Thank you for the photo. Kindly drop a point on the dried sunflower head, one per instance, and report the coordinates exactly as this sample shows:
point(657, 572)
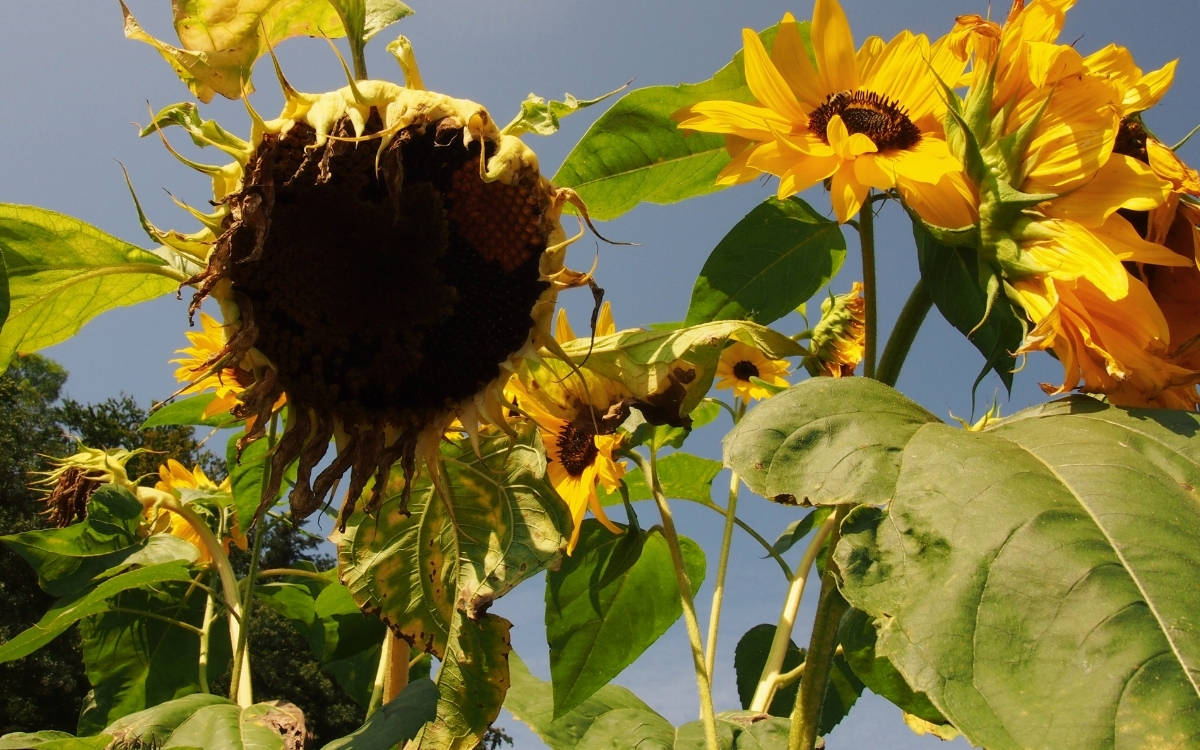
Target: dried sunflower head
point(384, 256)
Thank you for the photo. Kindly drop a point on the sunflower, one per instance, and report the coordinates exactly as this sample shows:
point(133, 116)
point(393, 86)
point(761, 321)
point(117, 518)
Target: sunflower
point(385, 257)
point(740, 368)
point(839, 338)
point(866, 120)
point(199, 371)
point(173, 477)
point(577, 413)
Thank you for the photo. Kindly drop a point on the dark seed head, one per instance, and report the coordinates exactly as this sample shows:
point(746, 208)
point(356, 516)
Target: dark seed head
point(882, 120)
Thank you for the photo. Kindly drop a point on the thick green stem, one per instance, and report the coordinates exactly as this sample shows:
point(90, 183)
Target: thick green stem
point(703, 680)
point(381, 672)
point(866, 235)
point(912, 315)
point(210, 615)
point(771, 677)
point(818, 660)
point(714, 616)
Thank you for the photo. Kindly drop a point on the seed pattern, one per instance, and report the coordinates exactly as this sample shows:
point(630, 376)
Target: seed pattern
point(881, 119)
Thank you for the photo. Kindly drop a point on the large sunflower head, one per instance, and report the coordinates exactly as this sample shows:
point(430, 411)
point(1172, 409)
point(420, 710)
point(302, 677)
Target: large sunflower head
point(383, 256)
point(871, 119)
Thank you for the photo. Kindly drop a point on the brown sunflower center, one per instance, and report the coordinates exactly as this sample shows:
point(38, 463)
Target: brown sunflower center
point(744, 370)
point(879, 118)
point(576, 447)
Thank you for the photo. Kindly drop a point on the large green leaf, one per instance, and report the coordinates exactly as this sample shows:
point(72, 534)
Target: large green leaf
point(414, 566)
point(771, 262)
point(221, 39)
point(857, 637)
point(1039, 580)
point(635, 152)
point(49, 739)
point(395, 722)
point(608, 603)
point(670, 371)
point(681, 475)
point(825, 441)
point(62, 273)
point(151, 727)
point(471, 683)
point(135, 660)
point(953, 276)
point(66, 612)
point(263, 726)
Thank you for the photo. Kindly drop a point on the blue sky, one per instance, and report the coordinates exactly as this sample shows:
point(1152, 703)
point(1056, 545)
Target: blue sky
point(72, 86)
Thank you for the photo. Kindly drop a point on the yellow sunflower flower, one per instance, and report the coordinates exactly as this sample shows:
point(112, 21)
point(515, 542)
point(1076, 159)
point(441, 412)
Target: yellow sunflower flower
point(199, 370)
point(840, 337)
point(740, 364)
point(871, 119)
point(172, 477)
point(577, 414)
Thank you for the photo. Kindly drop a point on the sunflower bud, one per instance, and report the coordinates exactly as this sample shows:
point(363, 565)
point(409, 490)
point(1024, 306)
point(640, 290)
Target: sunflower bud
point(839, 339)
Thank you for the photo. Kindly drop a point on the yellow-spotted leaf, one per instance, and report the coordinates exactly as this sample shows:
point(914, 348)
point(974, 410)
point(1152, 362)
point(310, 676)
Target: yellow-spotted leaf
point(498, 524)
point(62, 272)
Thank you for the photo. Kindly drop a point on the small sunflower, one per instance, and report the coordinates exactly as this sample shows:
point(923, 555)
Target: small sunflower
point(741, 365)
point(173, 477)
point(385, 257)
point(866, 120)
point(72, 480)
point(196, 369)
point(839, 338)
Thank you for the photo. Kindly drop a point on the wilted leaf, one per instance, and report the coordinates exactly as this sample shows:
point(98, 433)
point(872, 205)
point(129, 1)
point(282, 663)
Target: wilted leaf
point(608, 603)
point(772, 261)
point(1062, 547)
point(541, 117)
point(62, 272)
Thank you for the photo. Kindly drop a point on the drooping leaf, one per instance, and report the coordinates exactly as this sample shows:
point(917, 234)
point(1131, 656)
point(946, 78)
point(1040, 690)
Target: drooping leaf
point(69, 610)
point(612, 717)
point(202, 132)
point(151, 727)
point(62, 272)
point(396, 721)
point(857, 638)
point(670, 371)
point(635, 152)
point(471, 683)
point(1038, 580)
point(415, 566)
point(540, 116)
point(799, 529)
point(608, 603)
point(772, 261)
point(825, 441)
point(952, 276)
point(659, 436)
point(221, 39)
point(134, 660)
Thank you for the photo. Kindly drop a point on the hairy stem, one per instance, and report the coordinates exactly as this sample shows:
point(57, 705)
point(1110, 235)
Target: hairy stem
point(381, 672)
point(714, 616)
point(771, 677)
point(866, 235)
point(912, 315)
point(703, 679)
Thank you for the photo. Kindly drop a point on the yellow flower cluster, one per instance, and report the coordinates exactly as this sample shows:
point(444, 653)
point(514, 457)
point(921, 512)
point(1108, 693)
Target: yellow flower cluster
point(1026, 148)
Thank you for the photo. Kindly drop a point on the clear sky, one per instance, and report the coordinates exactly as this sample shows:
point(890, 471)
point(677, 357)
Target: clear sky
point(72, 85)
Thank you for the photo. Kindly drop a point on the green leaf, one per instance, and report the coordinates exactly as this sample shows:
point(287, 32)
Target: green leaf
point(797, 530)
point(771, 262)
point(683, 476)
point(857, 638)
point(635, 152)
point(68, 611)
point(62, 273)
point(659, 436)
point(202, 132)
point(471, 683)
point(152, 726)
point(396, 721)
point(247, 474)
point(49, 739)
point(750, 655)
point(262, 726)
point(952, 276)
point(608, 603)
point(541, 117)
point(825, 441)
point(612, 717)
point(69, 559)
point(188, 411)
point(1039, 579)
point(670, 371)
point(414, 566)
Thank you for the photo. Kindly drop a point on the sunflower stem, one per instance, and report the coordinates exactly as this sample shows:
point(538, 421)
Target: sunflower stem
point(703, 680)
point(210, 615)
point(381, 672)
point(912, 315)
point(866, 236)
point(772, 677)
point(714, 616)
point(397, 669)
point(822, 645)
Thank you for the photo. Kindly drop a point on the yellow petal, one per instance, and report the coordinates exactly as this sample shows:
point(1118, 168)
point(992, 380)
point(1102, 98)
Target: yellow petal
point(1122, 182)
point(845, 144)
point(847, 193)
point(746, 120)
point(765, 82)
point(833, 45)
point(791, 58)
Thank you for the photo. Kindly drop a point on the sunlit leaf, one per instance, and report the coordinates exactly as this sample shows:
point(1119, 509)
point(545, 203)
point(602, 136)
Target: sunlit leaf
point(670, 371)
point(263, 726)
point(1038, 580)
point(188, 411)
point(395, 722)
point(608, 603)
point(153, 725)
point(67, 611)
point(773, 260)
point(635, 152)
point(415, 566)
point(62, 272)
point(825, 441)
point(682, 475)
